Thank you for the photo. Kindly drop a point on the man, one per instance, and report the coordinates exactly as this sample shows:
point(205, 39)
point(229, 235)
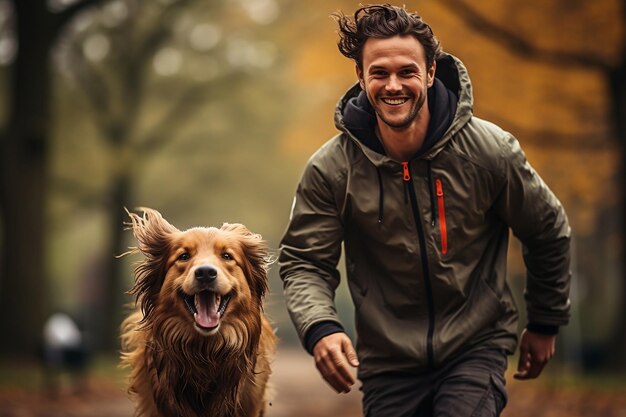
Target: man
point(422, 194)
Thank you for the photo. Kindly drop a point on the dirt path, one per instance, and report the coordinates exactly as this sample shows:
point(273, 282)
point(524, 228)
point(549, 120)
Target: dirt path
point(300, 392)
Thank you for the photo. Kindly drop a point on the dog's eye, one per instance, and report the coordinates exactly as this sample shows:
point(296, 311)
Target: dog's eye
point(184, 257)
point(227, 256)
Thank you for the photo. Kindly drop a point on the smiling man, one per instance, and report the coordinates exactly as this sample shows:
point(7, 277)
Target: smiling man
point(395, 77)
point(422, 194)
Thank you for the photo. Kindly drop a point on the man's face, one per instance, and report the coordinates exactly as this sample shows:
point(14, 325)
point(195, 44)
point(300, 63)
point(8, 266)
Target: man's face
point(395, 78)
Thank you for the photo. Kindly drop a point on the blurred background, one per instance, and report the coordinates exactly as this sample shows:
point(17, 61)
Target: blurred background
point(208, 110)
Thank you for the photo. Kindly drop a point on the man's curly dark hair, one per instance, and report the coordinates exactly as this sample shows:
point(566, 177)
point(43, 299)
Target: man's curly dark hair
point(383, 21)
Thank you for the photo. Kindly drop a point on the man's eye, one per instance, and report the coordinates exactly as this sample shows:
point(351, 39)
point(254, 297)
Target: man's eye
point(227, 256)
point(184, 256)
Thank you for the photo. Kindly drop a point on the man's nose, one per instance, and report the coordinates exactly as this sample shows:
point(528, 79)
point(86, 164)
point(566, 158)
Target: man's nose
point(393, 84)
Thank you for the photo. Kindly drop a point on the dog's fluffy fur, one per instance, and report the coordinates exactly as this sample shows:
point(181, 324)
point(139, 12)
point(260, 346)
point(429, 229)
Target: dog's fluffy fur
point(199, 343)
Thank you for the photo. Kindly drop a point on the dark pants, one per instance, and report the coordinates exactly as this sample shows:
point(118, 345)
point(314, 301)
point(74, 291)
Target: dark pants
point(471, 385)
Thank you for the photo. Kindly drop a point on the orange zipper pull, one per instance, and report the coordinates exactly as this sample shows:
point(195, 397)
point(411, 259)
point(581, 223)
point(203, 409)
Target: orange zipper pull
point(439, 188)
point(442, 217)
point(406, 172)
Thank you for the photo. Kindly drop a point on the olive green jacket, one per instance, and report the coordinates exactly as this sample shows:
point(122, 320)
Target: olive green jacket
point(425, 241)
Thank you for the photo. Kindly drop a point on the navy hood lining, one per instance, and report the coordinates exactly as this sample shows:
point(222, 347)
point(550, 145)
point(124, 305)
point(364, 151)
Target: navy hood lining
point(360, 118)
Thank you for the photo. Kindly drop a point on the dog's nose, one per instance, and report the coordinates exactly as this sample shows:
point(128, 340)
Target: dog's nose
point(206, 273)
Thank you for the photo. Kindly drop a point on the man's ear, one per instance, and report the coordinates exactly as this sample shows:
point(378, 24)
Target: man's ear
point(359, 74)
point(431, 74)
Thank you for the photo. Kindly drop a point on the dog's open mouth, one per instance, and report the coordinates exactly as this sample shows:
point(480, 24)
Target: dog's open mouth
point(207, 308)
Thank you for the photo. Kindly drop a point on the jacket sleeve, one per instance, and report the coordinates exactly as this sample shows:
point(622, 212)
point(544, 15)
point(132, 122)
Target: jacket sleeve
point(538, 220)
point(310, 251)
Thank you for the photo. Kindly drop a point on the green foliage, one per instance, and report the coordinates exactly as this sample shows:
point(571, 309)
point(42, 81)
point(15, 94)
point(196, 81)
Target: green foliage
point(188, 127)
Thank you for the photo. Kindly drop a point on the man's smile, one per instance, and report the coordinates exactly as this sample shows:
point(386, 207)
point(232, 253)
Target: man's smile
point(395, 101)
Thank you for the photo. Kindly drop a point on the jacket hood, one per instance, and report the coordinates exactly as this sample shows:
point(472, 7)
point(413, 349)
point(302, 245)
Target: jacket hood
point(449, 99)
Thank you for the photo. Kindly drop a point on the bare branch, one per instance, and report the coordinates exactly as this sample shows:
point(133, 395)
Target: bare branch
point(186, 107)
point(161, 33)
point(521, 46)
point(64, 17)
point(94, 87)
point(135, 69)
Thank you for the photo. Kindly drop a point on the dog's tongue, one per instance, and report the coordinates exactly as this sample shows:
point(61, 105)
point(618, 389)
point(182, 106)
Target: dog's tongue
point(207, 305)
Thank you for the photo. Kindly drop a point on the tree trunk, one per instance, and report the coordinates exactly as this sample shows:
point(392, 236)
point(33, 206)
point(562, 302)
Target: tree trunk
point(115, 296)
point(23, 283)
point(617, 85)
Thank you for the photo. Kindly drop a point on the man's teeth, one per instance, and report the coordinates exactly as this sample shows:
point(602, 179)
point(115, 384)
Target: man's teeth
point(394, 101)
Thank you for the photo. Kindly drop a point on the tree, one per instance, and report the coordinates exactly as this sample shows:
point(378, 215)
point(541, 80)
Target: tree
point(23, 179)
point(139, 100)
point(117, 97)
point(612, 66)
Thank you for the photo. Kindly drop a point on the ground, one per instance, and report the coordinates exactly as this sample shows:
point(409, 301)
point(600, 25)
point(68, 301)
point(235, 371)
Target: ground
point(300, 392)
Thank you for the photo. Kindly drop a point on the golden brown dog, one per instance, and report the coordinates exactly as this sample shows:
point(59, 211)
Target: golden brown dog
point(200, 344)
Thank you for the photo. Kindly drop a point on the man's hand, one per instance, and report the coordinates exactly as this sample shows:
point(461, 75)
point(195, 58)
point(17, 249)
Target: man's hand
point(333, 354)
point(534, 353)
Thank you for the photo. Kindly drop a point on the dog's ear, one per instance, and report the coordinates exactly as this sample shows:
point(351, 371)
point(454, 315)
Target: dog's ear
point(151, 230)
point(153, 233)
point(258, 259)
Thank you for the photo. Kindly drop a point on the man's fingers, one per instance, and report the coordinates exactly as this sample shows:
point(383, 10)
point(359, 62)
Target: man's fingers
point(334, 371)
point(350, 353)
point(531, 364)
point(341, 367)
point(536, 350)
point(524, 359)
point(535, 369)
point(523, 363)
point(531, 367)
point(335, 382)
point(338, 382)
point(334, 355)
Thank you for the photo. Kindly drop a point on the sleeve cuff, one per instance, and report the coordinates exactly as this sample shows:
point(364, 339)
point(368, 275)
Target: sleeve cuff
point(546, 329)
point(318, 331)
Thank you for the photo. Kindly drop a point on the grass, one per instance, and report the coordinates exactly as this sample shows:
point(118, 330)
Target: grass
point(20, 374)
point(28, 375)
point(597, 381)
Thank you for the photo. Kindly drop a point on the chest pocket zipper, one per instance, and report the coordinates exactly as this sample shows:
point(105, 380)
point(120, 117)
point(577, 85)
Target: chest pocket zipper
point(442, 216)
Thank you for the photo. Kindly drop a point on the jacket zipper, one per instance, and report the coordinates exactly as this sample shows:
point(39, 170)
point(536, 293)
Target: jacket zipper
point(425, 270)
point(431, 193)
point(442, 217)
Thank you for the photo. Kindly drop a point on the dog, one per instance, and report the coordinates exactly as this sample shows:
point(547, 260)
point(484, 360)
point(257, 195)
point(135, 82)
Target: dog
point(199, 343)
